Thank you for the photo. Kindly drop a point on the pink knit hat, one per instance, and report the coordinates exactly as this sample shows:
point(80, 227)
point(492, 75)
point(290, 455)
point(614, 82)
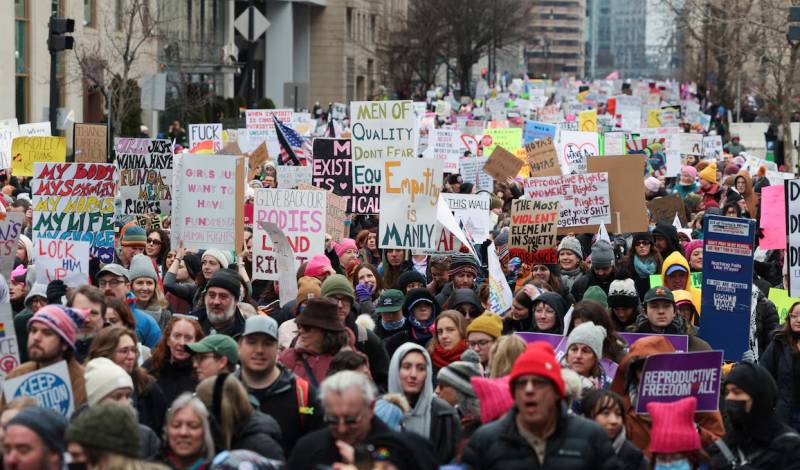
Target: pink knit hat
point(65, 321)
point(318, 265)
point(346, 244)
point(493, 395)
point(691, 246)
point(652, 184)
point(673, 428)
point(690, 170)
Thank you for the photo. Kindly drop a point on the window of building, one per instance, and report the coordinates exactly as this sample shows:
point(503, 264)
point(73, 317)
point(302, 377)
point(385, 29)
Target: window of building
point(88, 13)
point(351, 78)
point(21, 71)
point(373, 28)
point(350, 24)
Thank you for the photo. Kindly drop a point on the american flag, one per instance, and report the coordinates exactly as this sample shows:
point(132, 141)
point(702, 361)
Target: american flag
point(294, 147)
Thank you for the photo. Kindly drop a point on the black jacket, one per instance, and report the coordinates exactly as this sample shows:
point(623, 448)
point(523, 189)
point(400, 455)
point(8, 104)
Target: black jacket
point(577, 443)
point(174, 378)
point(280, 400)
point(368, 343)
point(445, 429)
point(631, 458)
point(587, 281)
point(233, 330)
point(260, 434)
point(767, 322)
point(151, 405)
point(784, 366)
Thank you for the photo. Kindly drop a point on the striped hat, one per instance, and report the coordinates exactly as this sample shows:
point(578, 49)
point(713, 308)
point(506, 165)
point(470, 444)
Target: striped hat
point(133, 235)
point(463, 262)
point(65, 321)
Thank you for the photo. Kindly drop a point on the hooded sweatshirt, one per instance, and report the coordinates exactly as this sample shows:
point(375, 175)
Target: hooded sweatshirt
point(670, 233)
point(678, 259)
point(556, 302)
point(625, 383)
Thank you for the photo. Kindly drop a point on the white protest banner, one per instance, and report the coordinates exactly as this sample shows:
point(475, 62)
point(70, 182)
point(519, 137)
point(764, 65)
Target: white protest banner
point(409, 194)
point(500, 295)
point(9, 349)
point(471, 170)
point(792, 194)
point(712, 146)
point(473, 212)
point(35, 129)
point(203, 134)
point(445, 145)
point(50, 386)
point(207, 209)
point(381, 131)
point(614, 143)
point(10, 229)
point(574, 147)
point(300, 214)
point(445, 217)
point(691, 144)
point(145, 181)
point(290, 176)
point(284, 262)
point(66, 260)
point(8, 130)
point(261, 127)
point(584, 198)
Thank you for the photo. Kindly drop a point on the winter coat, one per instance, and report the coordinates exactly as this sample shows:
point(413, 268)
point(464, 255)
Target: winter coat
point(684, 190)
point(300, 360)
point(631, 458)
point(576, 443)
point(151, 405)
point(233, 330)
point(368, 343)
point(670, 233)
point(678, 259)
point(174, 378)
point(679, 326)
point(587, 281)
point(638, 426)
point(784, 366)
point(76, 378)
point(260, 434)
point(767, 321)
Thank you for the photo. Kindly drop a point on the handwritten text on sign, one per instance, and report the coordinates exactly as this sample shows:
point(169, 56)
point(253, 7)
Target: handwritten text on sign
point(10, 228)
point(409, 195)
point(333, 172)
point(533, 231)
point(381, 131)
point(145, 175)
point(67, 260)
point(584, 198)
point(27, 150)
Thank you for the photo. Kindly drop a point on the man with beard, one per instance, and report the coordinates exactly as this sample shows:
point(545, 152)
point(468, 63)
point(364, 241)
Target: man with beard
point(114, 281)
point(91, 299)
point(52, 332)
point(221, 314)
point(34, 439)
point(602, 273)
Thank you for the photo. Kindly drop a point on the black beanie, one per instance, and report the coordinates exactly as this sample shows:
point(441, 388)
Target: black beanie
point(49, 425)
point(226, 279)
point(757, 382)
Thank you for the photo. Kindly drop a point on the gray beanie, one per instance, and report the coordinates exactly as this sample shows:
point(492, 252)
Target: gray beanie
point(602, 254)
point(38, 290)
point(142, 266)
point(458, 374)
point(589, 334)
point(572, 244)
point(48, 424)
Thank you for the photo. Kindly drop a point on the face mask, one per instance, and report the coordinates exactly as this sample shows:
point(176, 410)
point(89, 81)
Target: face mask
point(393, 325)
point(736, 411)
point(682, 464)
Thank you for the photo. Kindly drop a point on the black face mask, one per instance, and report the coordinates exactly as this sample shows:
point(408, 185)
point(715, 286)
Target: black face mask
point(736, 412)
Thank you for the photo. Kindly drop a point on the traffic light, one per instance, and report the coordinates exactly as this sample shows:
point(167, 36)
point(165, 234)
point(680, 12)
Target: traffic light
point(58, 39)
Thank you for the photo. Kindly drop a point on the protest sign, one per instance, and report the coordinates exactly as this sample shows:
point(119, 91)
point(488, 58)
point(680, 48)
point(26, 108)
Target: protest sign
point(10, 229)
point(712, 146)
point(542, 157)
point(679, 342)
point(773, 218)
point(284, 261)
point(670, 377)
point(8, 131)
point(9, 348)
point(204, 133)
point(207, 210)
point(331, 171)
point(500, 295)
point(148, 221)
point(145, 175)
point(537, 130)
point(502, 164)
point(584, 198)
point(50, 386)
point(300, 214)
point(509, 138)
point(664, 209)
point(614, 143)
point(727, 283)
point(451, 232)
point(409, 195)
point(691, 144)
point(65, 260)
point(381, 131)
point(90, 143)
point(695, 278)
point(471, 170)
point(782, 301)
point(290, 176)
point(534, 224)
point(336, 218)
point(587, 120)
point(445, 145)
point(261, 127)
point(75, 201)
point(35, 129)
point(551, 339)
point(792, 197)
point(472, 212)
point(27, 150)
point(574, 148)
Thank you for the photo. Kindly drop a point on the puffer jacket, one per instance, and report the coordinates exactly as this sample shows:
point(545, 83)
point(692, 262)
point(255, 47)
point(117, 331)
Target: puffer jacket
point(577, 443)
point(260, 434)
point(677, 259)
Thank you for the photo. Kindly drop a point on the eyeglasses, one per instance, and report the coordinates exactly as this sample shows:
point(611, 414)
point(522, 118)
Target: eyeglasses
point(153, 241)
point(332, 420)
point(126, 351)
point(479, 344)
point(110, 283)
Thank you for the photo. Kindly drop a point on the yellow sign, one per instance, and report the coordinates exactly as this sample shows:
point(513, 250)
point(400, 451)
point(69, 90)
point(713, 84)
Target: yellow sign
point(26, 150)
point(653, 118)
point(587, 120)
point(509, 138)
point(782, 301)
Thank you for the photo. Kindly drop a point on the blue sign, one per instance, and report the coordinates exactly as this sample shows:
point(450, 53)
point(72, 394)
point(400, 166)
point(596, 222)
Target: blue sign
point(537, 130)
point(49, 390)
point(727, 283)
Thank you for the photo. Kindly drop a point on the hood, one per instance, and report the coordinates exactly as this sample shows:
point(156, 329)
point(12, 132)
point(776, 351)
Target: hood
point(464, 296)
point(762, 424)
point(749, 194)
point(638, 351)
point(418, 419)
point(557, 303)
point(683, 296)
point(676, 259)
point(420, 293)
point(668, 231)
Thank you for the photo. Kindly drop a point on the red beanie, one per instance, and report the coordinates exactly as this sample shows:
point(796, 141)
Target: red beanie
point(539, 359)
point(673, 428)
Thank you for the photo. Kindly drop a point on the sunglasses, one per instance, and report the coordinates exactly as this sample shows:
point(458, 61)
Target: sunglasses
point(153, 241)
point(332, 420)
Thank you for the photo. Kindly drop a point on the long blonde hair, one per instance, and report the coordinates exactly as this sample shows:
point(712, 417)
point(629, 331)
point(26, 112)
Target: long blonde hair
point(504, 353)
point(234, 404)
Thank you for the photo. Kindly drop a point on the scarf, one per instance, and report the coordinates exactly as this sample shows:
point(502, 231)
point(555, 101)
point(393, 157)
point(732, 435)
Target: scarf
point(619, 441)
point(421, 332)
point(644, 268)
point(393, 325)
point(442, 358)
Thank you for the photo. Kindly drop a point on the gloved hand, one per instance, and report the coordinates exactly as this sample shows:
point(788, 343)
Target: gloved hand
point(55, 291)
point(363, 292)
point(749, 356)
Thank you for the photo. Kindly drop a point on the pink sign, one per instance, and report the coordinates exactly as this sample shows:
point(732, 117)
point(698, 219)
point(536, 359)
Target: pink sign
point(773, 218)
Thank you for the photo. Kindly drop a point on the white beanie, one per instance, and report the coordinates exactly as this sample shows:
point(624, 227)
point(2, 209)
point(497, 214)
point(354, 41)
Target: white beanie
point(102, 377)
point(589, 334)
point(218, 255)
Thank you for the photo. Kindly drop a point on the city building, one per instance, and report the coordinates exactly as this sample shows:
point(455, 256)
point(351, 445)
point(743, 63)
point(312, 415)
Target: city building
point(556, 47)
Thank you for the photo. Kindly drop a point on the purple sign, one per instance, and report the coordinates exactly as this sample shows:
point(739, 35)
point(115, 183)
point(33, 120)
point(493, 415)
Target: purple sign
point(551, 339)
point(679, 342)
point(610, 367)
point(670, 377)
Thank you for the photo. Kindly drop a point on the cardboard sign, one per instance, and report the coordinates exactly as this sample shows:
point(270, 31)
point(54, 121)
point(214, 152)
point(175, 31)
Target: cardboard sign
point(300, 214)
point(10, 229)
point(584, 198)
point(670, 377)
point(201, 133)
point(9, 349)
point(207, 210)
point(472, 171)
point(66, 260)
point(727, 283)
point(500, 295)
point(472, 211)
point(284, 261)
point(792, 197)
point(9, 130)
point(27, 150)
point(145, 168)
point(257, 157)
point(574, 148)
point(542, 157)
point(509, 138)
point(663, 209)
point(336, 219)
point(502, 164)
point(381, 131)
point(534, 224)
point(50, 386)
point(445, 145)
point(332, 171)
point(534, 131)
point(409, 195)
point(91, 143)
point(75, 201)
point(679, 342)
